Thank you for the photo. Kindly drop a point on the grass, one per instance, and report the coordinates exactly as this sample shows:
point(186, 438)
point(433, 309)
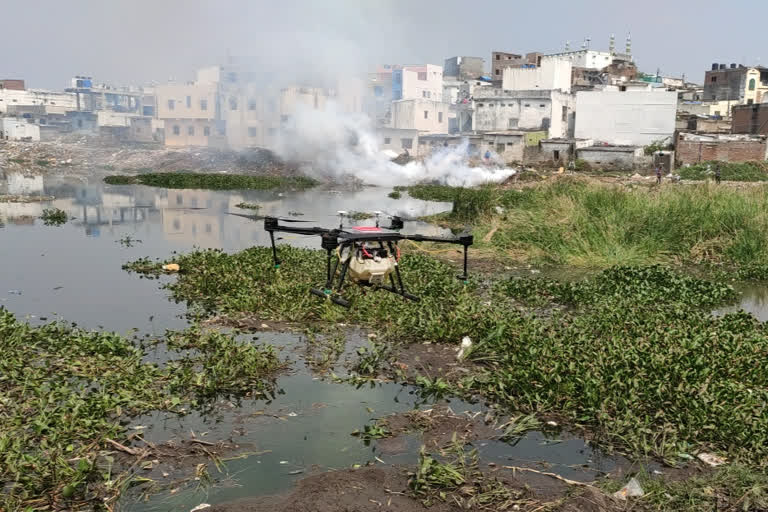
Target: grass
point(212, 181)
point(583, 223)
point(54, 217)
point(729, 171)
point(248, 206)
point(64, 391)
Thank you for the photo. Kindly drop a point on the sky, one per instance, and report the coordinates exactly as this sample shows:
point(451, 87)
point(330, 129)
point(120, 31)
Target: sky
point(140, 41)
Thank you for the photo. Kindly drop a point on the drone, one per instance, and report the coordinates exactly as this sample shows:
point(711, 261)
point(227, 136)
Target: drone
point(368, 256)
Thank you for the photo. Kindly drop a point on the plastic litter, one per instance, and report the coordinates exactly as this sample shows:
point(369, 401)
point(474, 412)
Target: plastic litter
point(171, 267)
point(201, 506)
point(466, 345)
point(711, 459)
point(631, 490)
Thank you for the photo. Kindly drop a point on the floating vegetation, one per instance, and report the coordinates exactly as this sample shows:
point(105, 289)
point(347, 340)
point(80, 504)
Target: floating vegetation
point(65, 395)
point(359, 215)
point(212, 181)
point(54, 217)
point(248, 206)
point(128, 241)
point(395, 194)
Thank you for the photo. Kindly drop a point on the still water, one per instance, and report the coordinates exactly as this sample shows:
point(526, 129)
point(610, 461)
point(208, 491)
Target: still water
point(73, 273)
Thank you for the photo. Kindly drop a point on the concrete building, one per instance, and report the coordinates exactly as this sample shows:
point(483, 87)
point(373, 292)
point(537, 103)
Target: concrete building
point(52, 102)
point(424, 115)
point(561, 150)
point(398, 140)
point(190, 114)
point(705, 108)
point(14, 128)
point(418, 82)
point(635, 118)
point(464, 68)
point(12, 83)
point(751, 119)
point(692, 148)
point(503, 60)
point(553, 74)
point(492, 110)
point(612, 157)
point(745, 85)
point(584, 58)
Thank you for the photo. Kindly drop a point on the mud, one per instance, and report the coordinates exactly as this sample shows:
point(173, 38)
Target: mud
point(432, 360)
point(437, 427)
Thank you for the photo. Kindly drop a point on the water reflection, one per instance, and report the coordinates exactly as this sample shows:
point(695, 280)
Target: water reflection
point(754, 300)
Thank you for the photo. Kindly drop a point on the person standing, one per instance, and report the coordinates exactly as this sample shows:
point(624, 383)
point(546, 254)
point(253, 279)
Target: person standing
point(658, 174)
point(717, 173)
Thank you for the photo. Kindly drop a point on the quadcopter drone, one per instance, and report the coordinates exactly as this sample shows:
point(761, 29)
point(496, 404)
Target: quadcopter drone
point(368, 256)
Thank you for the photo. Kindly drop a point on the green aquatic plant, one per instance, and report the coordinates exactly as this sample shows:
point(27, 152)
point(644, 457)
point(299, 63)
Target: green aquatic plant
point(395, 194)
point(213, 181)
point(54, 217)
point(248, 206)
point(64, 392)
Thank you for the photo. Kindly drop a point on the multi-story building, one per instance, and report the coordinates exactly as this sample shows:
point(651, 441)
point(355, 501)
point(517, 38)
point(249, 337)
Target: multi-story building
point(191, 113)
point(425, 115)
point(752, 119)
point(464, 68)
point(418, 82)
point(584, 58)
point(503, 60)
point(745, 85)
point(553, 74)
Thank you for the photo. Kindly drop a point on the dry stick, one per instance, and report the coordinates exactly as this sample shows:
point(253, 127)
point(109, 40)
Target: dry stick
point(123, 448)
point(198, 441)
point(552, 475)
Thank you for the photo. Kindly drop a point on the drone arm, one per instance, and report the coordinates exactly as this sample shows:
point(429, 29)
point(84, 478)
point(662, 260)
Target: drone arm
point(464, 240)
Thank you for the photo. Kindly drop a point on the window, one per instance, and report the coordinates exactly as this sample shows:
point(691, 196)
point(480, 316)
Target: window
point(750, 102)
point(232, 103)
point(542, 105)
point(252, 131)
point(189, 101)
point(513, 123)
point(203, 104)
point(498, 71)
point(207, 131)
point(500, 148)
point(426, 114)
point(498, 57)
point(752, 84)
point(171, 104)
point(378, 90)
point(713, 79)
point(79, 123)
point(527, 104)
point(176, 130)
point(190, 130)
point(423, 94)
point(387, 140)
point(252, 105)
point(406, 143)
point(479, 105)
point(422, 75)
point(565, 113)
point(439, 117)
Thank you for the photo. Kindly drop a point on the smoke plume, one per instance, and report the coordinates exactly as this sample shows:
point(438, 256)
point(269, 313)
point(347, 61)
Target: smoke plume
point(333, 144)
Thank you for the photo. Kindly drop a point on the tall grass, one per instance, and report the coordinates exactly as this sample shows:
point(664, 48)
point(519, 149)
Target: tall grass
point(729, 171)
point(585, 223)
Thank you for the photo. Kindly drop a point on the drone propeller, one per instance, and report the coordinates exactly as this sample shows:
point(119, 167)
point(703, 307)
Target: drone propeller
point(261, 217)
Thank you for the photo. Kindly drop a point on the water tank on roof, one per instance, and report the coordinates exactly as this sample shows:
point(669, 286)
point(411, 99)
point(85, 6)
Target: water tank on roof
point(733, 66)
point(722, 66)
point(715, 65)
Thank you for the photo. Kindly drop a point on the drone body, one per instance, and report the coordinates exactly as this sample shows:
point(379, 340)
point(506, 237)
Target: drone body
point(369, 256)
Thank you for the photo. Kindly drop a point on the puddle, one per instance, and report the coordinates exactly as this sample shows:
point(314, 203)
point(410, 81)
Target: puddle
point(74, 273)
point(753, 299)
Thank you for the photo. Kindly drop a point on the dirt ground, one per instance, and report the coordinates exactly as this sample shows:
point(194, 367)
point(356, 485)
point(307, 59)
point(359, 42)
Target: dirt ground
point(432, 360)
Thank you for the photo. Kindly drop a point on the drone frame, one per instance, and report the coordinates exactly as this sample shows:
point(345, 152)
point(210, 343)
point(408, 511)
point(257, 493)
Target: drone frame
point(350, 238)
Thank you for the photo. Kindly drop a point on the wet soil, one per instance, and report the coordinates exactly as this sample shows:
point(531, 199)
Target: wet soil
point(432, 360)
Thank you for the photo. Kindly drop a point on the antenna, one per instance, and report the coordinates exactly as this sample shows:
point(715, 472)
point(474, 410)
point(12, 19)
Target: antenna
point(567, 46)
point(588, 40)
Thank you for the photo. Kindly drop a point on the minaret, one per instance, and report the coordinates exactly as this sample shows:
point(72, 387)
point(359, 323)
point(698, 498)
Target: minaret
point(612, 44)
point(629, 45)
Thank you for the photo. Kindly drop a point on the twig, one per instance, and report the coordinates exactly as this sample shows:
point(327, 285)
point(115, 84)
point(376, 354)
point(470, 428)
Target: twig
point(198, 441)
point(123, 448)
point(551, 475)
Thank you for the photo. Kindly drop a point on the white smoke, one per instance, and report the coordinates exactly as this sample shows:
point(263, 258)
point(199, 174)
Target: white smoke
point(333, 144)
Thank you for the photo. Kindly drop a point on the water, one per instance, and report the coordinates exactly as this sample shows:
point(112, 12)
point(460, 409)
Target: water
point(73, 273)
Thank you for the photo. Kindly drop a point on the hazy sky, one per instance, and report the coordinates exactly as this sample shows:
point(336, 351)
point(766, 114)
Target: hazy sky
point(136, 41)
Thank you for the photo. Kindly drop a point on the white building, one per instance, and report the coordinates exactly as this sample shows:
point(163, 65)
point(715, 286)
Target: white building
point(493, 109)
point(53, 102)
point(14, 128)
point(427, 116)
point(552, 74)
point(418, 82)
point(635, 118)
point(589, 59)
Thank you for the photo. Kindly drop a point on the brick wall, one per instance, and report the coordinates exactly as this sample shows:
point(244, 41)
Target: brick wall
point(691, 152)
point(751, 119)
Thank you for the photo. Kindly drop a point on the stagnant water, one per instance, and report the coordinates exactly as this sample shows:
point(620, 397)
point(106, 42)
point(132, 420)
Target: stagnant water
point(73, 273)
